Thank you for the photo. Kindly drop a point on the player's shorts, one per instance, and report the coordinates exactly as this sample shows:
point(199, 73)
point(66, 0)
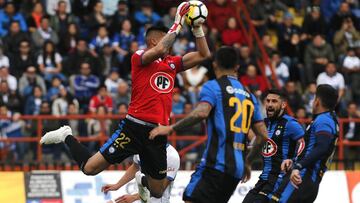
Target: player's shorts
point(210, 186)
point(255, 196)
point(133, 138)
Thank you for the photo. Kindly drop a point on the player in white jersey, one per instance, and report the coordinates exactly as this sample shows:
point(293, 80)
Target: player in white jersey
point(134, 171)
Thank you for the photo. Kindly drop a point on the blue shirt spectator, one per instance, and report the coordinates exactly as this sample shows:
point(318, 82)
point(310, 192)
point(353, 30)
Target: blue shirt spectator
point(9, 14)
point(121, 41)
point(99, 41)
point(146, 15)
point(33, 102)
point(178, 102)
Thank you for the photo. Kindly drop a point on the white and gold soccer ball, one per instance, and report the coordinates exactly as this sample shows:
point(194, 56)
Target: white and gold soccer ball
point(197, 13)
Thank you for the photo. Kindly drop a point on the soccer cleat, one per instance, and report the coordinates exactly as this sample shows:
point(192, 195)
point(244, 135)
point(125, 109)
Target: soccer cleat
point(56, 136)
point(144, 193)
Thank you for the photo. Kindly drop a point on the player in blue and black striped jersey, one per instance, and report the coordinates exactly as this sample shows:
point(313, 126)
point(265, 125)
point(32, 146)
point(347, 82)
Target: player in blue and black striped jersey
point(305, 174)
point(230, 112)
point(285, 139)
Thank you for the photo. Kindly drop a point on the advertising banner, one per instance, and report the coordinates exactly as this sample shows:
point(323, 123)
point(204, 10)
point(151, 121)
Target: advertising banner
point(12, 187)
point(353, 181)
point(43, 187)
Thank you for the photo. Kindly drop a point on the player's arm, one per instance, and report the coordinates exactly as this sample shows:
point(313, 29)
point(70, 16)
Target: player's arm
point(287, 164)
point(127, 177)
point(194, 58)
point(163, 47)
point(260, 131)
point(200, 113)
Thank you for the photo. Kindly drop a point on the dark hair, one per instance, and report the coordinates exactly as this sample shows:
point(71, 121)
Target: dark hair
point(156, 29)
point(351, 103)
point(226, 57)
point(45, 53)
point(278, 92)
point(45, 17)
point(327, 95)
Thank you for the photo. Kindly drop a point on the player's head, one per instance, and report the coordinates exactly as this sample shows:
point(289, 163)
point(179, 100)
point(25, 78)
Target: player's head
point(226, 59)
point(275, 103)
point(326, 99)
point(154, 34)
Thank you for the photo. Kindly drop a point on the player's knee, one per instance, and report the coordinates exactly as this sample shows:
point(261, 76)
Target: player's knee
point(89, 171)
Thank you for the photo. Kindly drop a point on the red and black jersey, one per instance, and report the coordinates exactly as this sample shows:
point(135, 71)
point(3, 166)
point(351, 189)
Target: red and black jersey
point(152, 86)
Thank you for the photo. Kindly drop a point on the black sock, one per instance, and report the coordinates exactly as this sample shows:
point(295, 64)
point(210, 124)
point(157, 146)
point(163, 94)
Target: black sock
point(144, 182)
point(79, 152)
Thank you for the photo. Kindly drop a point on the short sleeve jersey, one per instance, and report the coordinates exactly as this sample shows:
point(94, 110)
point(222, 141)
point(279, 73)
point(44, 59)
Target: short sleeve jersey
point(152, 87)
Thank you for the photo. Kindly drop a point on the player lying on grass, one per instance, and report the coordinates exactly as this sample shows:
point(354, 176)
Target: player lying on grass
point(173, 164)
point(153, 73)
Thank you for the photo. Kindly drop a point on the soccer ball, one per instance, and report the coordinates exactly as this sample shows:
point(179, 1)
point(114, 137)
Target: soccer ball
point(197, 13)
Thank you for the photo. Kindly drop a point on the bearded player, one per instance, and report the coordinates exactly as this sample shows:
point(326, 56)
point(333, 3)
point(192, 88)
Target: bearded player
point(153, 73)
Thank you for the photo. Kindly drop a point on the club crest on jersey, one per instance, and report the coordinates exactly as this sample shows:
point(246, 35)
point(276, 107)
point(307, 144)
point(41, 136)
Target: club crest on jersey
point(172, 66)
point(301, 147)
point(230, 90)
point(270, 148)
point(162, 82)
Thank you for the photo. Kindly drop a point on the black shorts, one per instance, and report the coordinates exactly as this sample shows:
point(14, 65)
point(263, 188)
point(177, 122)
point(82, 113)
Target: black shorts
point(132, 138)
point(210, 186)
point(255, 196)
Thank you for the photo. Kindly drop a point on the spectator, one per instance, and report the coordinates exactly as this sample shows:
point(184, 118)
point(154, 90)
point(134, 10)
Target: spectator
point(343, 14)
point(271, 7)
point(317, 55)
point(22, 60)
point(67, 43)
point(9, 79)
point(257, 15)
point(85, 85)
point(53, 6)
point(269, 46)
point(168, 19)
point(309, 97)
point(351, 133)
point(10, 98)
point(178, 103)
point(61, 20)
point(82, 9)
point(29, 80)
point(182, 46)
point(33, 102)
point(301, 114)
point(351, 70)
point(122, 109)
point(346, 37)
point(194, 78)
point(54, 90)
point(219, 12)
point(13, 38)
point(121, 41)
point(99, 41)
point(123, 94)
point(9, 14)
point(15, 129)
point(112, 82)
point(232, 35)
point(125, 68)
point(146, 15)
point(108, 61)
point(4, 60)
point(245, 59)
point(44, 33)
point(313, 24)
point(95, 127)
point(120, 15)
point(109, 7)
point(255, 83)
point(61, 104)
point(333, 78)
point(96, 18)
point(101, 99)
point(81, 54)
point(294, 98)
point(284, 32)
point(279, 68)
point(73, 109)
point(49, 62)
point(34, 20)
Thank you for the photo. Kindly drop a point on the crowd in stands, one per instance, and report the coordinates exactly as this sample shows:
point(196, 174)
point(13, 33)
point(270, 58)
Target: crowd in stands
point(68, 57)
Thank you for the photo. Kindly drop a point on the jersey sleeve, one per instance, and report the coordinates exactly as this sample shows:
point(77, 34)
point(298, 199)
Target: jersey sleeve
point(173, 163)
point(136, 159)
point(178, 63)
point(257, 117)
point(324, 126)
point(207, 94)
point(136, 58)
point(294, 130)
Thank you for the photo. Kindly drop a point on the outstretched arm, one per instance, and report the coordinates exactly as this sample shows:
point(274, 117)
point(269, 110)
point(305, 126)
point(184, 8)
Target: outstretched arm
point(194, 58)
point(200, 113)
point(260, 131)
point(127, 177)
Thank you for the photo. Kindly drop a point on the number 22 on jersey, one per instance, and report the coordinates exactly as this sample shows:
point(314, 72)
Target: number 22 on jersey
point(246, 108)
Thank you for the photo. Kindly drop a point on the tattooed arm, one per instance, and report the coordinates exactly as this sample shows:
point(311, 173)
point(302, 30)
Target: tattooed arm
point(261, 135)
point(159, 50)
point(200, 113)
